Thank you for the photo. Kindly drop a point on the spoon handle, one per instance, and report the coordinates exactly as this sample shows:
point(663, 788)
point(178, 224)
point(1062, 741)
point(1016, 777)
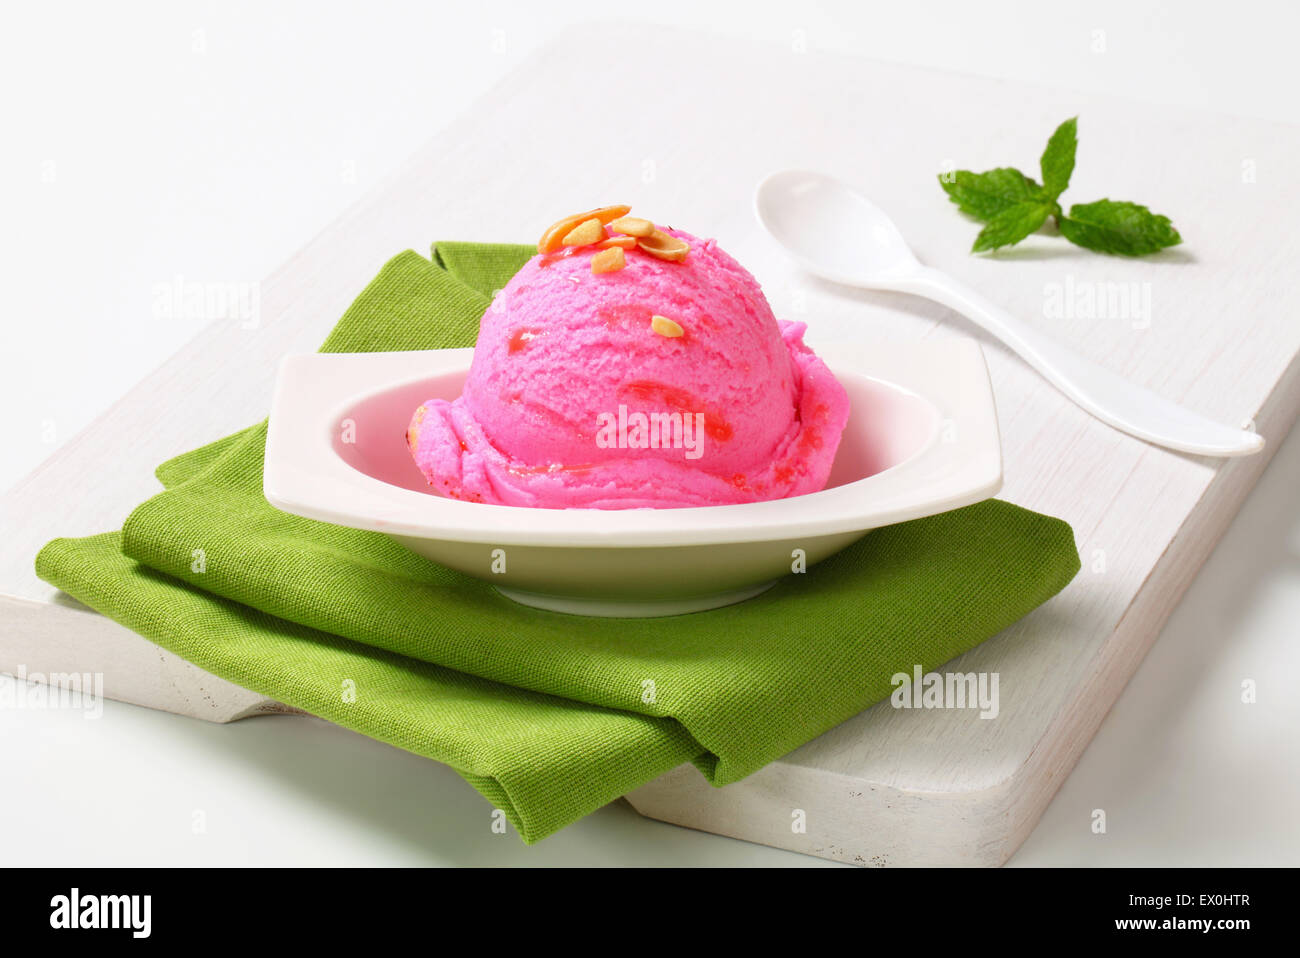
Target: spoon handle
point(1110, 398)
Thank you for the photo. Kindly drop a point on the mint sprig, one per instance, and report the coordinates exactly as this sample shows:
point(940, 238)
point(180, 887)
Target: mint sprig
point(1013, 205)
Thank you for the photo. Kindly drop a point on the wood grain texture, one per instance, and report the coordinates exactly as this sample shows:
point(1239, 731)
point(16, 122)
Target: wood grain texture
point(1215, 328)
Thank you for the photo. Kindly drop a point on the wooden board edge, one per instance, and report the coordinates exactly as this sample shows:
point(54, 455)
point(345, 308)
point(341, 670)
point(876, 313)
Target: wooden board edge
point(48, 643)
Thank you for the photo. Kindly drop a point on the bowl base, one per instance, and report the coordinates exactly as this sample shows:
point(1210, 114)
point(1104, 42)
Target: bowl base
point(633, 608)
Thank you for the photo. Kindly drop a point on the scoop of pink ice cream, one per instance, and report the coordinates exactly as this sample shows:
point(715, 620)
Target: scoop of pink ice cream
point(576, 398)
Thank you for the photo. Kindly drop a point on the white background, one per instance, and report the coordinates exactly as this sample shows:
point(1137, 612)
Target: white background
point(211, 140)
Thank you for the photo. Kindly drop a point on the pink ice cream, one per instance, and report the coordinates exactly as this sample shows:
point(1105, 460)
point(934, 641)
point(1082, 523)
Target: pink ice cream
point(575, 398)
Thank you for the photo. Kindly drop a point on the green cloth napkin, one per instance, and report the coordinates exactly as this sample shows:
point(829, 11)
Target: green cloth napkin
point(550, 716)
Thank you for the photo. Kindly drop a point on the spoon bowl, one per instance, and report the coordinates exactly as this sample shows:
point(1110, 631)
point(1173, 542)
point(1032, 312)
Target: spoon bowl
point(831, 229)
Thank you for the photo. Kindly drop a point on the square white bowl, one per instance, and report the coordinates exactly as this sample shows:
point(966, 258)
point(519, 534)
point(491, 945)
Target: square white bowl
point(922, 438)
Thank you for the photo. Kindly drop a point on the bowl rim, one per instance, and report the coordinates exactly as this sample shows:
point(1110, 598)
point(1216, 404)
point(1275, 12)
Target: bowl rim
point(959, 464)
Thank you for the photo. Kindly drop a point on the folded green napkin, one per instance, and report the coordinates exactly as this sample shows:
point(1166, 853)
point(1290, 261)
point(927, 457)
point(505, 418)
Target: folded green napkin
point(550, 716)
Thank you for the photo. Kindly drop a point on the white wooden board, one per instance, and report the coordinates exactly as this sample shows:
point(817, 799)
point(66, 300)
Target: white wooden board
point(1216, 327)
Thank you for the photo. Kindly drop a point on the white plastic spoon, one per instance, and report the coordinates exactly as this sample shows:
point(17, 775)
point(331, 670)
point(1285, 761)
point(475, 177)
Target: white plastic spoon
point(835, 232)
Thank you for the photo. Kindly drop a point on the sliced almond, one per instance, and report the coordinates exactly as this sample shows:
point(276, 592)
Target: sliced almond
point(663, 246)
point(608, 260)
point(584, 234)
point(625, 242)
point(632, 226)
point(666, 327)
point(551, 239)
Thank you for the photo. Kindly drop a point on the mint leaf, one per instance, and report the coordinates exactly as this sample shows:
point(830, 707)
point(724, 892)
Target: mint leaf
point(1113, 226)
point(985, 195)
point(1057, 162)
point(1013, 224)
point(1012, 205)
